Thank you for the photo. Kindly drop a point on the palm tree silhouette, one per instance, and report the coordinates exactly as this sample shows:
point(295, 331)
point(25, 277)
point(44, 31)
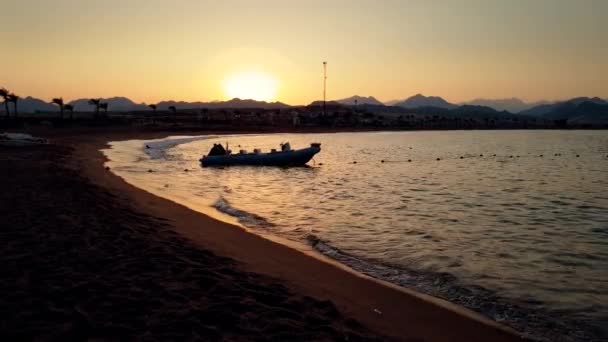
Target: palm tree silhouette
point(104, 106)
point(69, 108)
point(59, 101)
point(96, 103)
point(173, 110)
point(13, 98)
point(4, 94)
point(153, 106)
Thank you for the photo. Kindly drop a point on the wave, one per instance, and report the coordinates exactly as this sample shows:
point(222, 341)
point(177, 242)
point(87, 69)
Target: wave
point(156, 149)
point(535, 324)
point(246, 218)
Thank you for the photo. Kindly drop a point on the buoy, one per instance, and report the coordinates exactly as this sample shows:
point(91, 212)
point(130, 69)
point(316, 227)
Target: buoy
point(355, 162)
point(510, 156)
point(320, 164)
point(541, 156)
point(382, 161)
point(438, 158)
point(107, 168)
point(409, 160)
point(186, 170)
point(481, 155)
point(493, 155)
point(461, 157)
point(150, 170)
point(577, 156)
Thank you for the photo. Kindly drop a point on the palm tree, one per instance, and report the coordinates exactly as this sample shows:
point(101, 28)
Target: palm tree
point(104, 106)
point(153, 106)
point(96, 103)
point(70, 108)
point(12, 97)
point(59, 101)
point(4, 94)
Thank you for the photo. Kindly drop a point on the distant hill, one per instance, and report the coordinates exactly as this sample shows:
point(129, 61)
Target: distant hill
point(580, 112)
point(123, 104)
point(420, 100)
point(234, 103)
point(31, 105)
point(327, 103)
point(481, 112)
point(360, 100)
point(547, 109)
point(115, 104)
point(513, 105)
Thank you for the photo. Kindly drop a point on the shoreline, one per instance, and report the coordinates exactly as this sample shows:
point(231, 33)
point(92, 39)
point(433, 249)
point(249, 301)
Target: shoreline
point(366, 312)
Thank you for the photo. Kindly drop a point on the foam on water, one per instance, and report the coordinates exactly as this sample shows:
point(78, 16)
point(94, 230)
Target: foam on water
point(245, 218)
point(156, 149)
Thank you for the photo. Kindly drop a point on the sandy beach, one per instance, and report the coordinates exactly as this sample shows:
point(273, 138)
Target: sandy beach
point(89, 256)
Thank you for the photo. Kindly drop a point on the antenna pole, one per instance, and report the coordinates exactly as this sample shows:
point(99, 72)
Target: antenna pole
point(324, 85)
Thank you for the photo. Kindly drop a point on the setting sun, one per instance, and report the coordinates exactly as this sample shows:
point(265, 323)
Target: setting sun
point(251, 85)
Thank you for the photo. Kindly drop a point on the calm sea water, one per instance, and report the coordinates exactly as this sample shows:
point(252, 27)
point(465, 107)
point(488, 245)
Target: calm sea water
point(512, 224)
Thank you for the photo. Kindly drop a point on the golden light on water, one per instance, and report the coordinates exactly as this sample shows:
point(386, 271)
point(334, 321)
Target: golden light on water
point(253, 85)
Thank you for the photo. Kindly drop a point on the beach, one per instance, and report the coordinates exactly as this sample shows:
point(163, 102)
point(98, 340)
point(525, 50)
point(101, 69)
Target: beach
point(90, 256)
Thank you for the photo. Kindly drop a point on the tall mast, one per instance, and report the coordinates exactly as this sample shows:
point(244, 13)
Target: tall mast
point(324, 85)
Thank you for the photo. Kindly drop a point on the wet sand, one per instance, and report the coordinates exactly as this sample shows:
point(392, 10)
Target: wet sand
point(89, 256)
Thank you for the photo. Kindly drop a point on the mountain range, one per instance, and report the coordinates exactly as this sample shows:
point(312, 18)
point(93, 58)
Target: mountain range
point(360, 100)
point(420, 100)
point(580, 109)
point(513, 105)
point(122, 104)
point(545, 109)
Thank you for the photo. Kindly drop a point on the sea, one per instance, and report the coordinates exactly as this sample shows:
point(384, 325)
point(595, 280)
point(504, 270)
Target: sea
point(510, 224)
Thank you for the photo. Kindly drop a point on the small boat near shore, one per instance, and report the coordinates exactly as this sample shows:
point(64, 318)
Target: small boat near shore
point(220, 156)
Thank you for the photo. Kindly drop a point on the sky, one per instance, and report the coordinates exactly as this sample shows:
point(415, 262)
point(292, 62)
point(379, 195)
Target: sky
point(199, 50)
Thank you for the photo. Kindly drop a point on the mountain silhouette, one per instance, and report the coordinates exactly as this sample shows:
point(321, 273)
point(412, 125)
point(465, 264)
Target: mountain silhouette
point(31, 105)
point(579, 110)
point(513, 105)
point(115, 104)
point(370, 100)
point(420, 100)
point(547, 109)
point(234, 103)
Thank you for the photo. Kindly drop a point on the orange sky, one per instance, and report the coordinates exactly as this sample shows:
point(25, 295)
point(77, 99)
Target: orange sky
point(150, 50)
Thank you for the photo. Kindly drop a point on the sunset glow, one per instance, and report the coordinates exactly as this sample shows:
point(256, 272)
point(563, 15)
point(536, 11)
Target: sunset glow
point(251, 85)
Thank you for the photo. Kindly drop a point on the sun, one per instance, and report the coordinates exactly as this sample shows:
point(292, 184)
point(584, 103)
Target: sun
point(251, 85)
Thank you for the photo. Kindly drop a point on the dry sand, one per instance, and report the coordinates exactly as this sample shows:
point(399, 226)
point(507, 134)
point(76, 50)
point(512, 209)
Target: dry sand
point(88, 255)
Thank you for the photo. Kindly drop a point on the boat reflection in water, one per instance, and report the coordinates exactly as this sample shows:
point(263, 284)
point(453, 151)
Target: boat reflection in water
point(219, 156)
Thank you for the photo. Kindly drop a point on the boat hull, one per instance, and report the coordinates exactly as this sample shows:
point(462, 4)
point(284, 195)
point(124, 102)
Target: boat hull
point(285, 158)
